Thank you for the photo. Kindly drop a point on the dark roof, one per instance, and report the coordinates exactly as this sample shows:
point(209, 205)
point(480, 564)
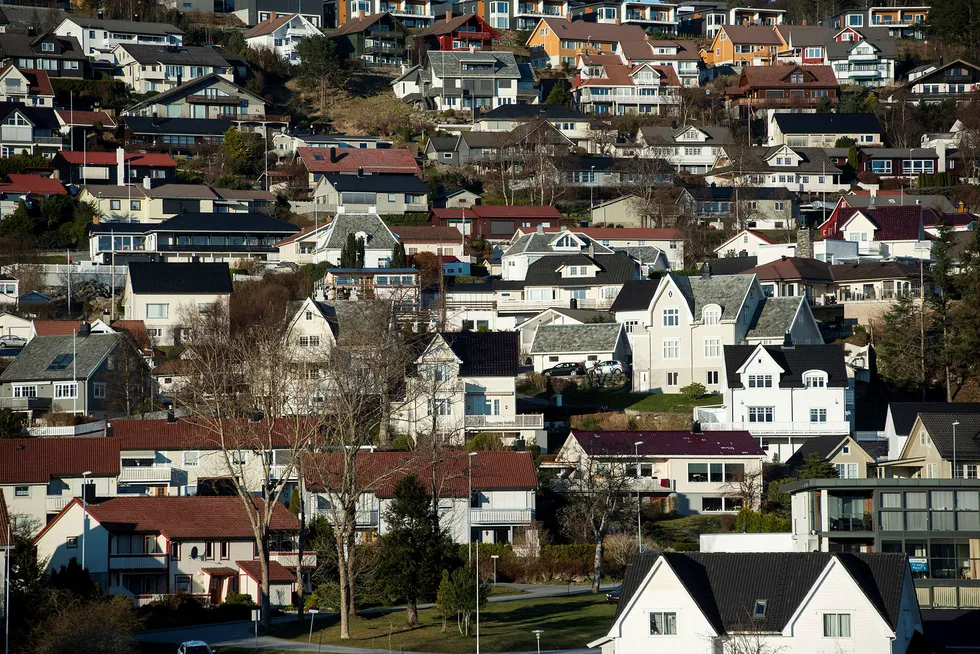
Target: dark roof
point(940, 428)
point(905, 413)
point(793, 268)
point(894, 223)
point(185, 55)
point(636, 295)
point(38, 116)
point(225, 222)
point(613, 269)
point(730, 265)
point(794, 361)
point(36, 460)
point(726, 585)
point(180, 278)
point(58, 358)
point(668, 443)
point(186, 87)
point(828, 123)
point(182, 126)
point(378, 183)
point(25, 45)
point(853, 272)
point(824, 446)
point(485, 354)
point(361, 24)
point(530, 111)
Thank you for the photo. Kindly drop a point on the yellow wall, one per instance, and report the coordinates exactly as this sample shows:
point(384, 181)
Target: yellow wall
point(723, 51)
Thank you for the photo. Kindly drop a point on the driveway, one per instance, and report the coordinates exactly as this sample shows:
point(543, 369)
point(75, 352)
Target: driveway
point(242, 634)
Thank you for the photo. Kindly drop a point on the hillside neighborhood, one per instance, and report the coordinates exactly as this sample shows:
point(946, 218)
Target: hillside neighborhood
point(489, 326)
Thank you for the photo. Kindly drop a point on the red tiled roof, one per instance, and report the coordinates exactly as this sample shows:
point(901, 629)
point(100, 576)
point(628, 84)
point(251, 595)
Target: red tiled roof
point(39, 81)
point(185, 517)
point(157, 160)
point(278, 573)
point(304, 232)
point(36, 460)
point(268, 26)
point(894, 223)
point(794, 268)
point(4, 523)
point(174, 367)
point(669, 443)
point(185, 435)
point(427, 234)
point(85, 118)
point(652, 233)
point(220, 571)
point(581, 30)
point(136, 330)
point(381, 471)
point(778, 76)
point(32, 184)
point(350, 160)
point(56, 327)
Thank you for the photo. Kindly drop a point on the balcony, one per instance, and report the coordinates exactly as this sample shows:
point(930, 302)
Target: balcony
point(509, 423)
point(282, 471)
point(48, 140)
point(384, 48)
point(850, 522)
point(541, 305)
point(55, 503)
point(25, 403)
point(140, 474)
point(714, 418)
point(366, 518)
point(137, 562)
point(500, 516)
point(213, 99)
point(654, 485)
point(288, 559)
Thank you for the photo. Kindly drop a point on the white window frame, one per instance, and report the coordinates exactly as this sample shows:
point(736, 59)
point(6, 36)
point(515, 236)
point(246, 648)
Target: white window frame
point(671, 346)
point(671, 317)
point(66, 390)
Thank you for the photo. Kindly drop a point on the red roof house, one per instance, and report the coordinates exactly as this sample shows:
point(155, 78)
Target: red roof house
point(496, 222)
point(358, 161)
point(21, 184)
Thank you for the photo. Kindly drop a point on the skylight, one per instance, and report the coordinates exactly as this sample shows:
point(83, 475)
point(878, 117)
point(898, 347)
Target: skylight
point(760, 609)
point(61, 362)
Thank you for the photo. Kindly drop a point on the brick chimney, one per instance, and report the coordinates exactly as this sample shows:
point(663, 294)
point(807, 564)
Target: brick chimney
point(273, 15)
point(333, 154)
point(360, 14)
point(449, 16)
point(804, 243)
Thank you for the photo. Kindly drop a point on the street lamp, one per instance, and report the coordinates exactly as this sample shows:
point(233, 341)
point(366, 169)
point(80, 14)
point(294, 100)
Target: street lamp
point(537, 634)
point(494, 557)
point(956, 422)
point(477, 591)
point(591, 192)
point(469, 507)
point(639, 533)
point(84, 512)
point(312, 613)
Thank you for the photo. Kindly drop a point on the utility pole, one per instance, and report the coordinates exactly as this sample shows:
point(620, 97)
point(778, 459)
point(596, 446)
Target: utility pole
point(922, 327)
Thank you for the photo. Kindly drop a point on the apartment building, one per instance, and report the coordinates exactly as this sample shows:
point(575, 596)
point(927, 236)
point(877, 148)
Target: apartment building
point(682, 56)
point(414, 14)
point(375, 40)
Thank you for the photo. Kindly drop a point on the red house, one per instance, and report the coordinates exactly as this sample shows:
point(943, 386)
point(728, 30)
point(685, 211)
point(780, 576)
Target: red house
point(459, 33)
point(496, 222)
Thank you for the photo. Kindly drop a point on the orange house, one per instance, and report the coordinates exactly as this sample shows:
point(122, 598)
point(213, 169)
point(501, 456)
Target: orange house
point(556, 41)
point(897, 16)
point(753, 45)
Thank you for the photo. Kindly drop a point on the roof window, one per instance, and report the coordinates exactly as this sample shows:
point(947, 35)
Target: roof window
point(759, 611)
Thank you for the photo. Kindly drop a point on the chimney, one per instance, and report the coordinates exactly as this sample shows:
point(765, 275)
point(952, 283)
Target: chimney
point(360, 171)
point(696, 427)
point(540, 229)
point(941, 151)
point(360, 14)
point(136, 18)
point(147, 184)
point(449, 16)
point(31, 31)
point(788, 341)
point(706, 271)
point(171, 417)
point(120, 167)
point(84, 329)
point(333, 154)
point(804, 243)
point(618, 22)
point(108, 430)
point(273, 15)
point(782, 257)
point(101, 15)
point(673, 124)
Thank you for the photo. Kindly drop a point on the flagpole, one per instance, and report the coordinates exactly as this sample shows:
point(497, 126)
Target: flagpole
point(6, 601)
point(68, 252)
point(74, 372)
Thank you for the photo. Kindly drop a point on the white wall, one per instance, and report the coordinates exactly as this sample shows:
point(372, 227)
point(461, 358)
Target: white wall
point(777, 542)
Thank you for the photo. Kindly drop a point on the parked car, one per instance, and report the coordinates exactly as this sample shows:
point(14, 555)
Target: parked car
point(194, 647)
point(613, 595)
point(610, 367)
point(12, 341)
point(565, 370)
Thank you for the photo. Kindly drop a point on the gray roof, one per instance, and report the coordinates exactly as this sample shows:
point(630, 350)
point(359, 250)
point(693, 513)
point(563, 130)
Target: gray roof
point(483, 139)
point(442, 143)
point(613, 269)
point(800, 36)
point(828, 123)
point(726, 586)
point(812, 160)
point(450, 64)
point(33, 363)
point(840, 49)
point(590, 337)
point(182, 56)
point(727, 291)
point(22, 45)
point(774, 317)
point(136, 27)
point(190, 278)
point(655, 134)
point(582, 315)
point(186, 89)
point(23, 17)
point(938, 202)
point(795, 361)
point(538, 243)
point(379, 236)
point(900, 153)
point(636, 295)
point(905, 413)
point(645, 254)
point(824, 446)
point(940, 428)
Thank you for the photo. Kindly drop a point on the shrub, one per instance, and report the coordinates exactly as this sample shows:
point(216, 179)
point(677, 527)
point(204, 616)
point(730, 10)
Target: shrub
point(694, 391)
point(324, 597)
point(753, 522)
point(562, 386)
point(868, 177)
point(537, 380)
point(591, 423)
point(243, 599)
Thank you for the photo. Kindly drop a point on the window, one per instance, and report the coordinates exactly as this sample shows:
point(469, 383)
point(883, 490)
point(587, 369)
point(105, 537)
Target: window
point(672, 378)
point(697, 473)
point(158, 311)
point(813, 53)
point(191, 458)
point(760, 414)
point(440, 407)
point(309, 341)
point(223, 549)
point(711, 315)
point(182, 583)
point(712, 377)
point(47, 47)
point(712, 348)
point(671, 317)
point(814, 381)
point(818, 415)
point(174, 551)
point(881, 167)
point(22, 491)
point(209, 550)
point(72, 542)
point(25, 391)
point(663, 624)
point(966, 471)
point(238, 457)
point(66, 390)
point(98, 390)
point(631, 325)
point(760, 381)
point(672, 348)
point(837, 625)
point(115, 205)
point(846, 470)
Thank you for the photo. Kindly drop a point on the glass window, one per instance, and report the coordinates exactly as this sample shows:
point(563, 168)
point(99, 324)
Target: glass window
point(942, 500)
point(967, 501)
point(837, 625)
point(157, 311)
point(915, 500)
point(709, 504)
point(916, 521)
point(734, 472)
point(663, 624)
point(716, 472)
point(191, 458)
point(760, 414)
point(672, 348)
point(671, 317)
point(697, 473)
point(892, 521)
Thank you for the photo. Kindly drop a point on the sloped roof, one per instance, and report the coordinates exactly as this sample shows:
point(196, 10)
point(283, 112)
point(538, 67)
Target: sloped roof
point(795, 361)
point(940, 428)
point(540, 242)
point(774, 316)
point(613, 269)
point(751, 34)
point(621, 233)
point(32, 184)
point(903, 223)
point(887, 47)
point(727, 291)
point(360, 24)
point(349, 160)
point(36, 460)
point(55, 327)
point(485, 354)
point(188, 55)
point(776, 76)
point(730, 265)
point(636, 295)
point(427, 234)
point(572, 339)
point(196, 221)
point(185, 88)
point(130, 26)
point(135, 434)
point(854, 272)
point(444, 26)
point(278, 573)
point(180, 278)
point(379, 236)
point(529, 111)
point(86, 118)
point(824, 446)
point(268, 26)
point(794, 268)
point(182, 126)
point(800, 36)
point(905, 413)
point(155, 159)
point(668, 443)
point(38, 80)
point(643, 50)
point(397, 183)
point(449, 63)
point(35, 362)
point(726, 585)
point(661, 134)
point(594, 32)
point(828, 123)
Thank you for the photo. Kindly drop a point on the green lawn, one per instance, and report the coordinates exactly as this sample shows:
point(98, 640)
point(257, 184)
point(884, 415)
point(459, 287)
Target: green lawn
point(687, 528)
point(505, 590)
point(568, 622)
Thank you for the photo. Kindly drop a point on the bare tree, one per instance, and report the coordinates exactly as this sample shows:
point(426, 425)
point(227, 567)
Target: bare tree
point(128, 384)
point(647, 180)
point(746, 487)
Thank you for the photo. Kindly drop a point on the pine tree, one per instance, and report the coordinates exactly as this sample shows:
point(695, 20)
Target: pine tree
point(900, 358)
point(359, 253)
point(294, 502)
point(398, 259)
point(560, 94)
point(348, 254)
point(939, 302)
point(817, 467)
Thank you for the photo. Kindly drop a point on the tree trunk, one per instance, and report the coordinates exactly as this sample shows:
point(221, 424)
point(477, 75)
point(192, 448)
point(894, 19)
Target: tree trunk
point(344, 601)
point(264, 592)
point(300, 585)
point(597, 564)
point(412, 614)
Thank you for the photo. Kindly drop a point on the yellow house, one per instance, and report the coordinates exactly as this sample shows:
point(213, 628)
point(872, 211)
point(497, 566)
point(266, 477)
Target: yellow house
point(851, 459)
point(929, 450)
point(897, 16)
point(556, 41)
point(737, 45)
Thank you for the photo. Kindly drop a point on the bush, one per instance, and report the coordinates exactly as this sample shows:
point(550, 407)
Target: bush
point(868, 177)
point(694, 391)
point(562, 386)
point(469, 279)
point(753, 522)
point(591, 423)
point(243, 599)
point(537, 380)
point(324, 597)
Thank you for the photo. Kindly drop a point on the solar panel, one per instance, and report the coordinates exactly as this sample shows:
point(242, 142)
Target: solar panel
point(61, 362)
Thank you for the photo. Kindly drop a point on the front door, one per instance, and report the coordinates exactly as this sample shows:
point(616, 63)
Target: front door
point(215, 589)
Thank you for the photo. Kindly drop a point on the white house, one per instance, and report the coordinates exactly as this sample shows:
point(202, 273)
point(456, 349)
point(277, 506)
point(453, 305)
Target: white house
point(588, 344)
point(499, 509)
point(805, 170)
point(746, 243)
point(145, 68)
point(162, 294)
point(98, 36)
point(788, 602)
point(146, 547)
point(783, 395)
point(885, 232)
point(628, 239)
point(282, 34)
point(379, 240)
point(464, 80)
point(556, 316)
point(687, 472)
point(688, 147)
point(31, 87)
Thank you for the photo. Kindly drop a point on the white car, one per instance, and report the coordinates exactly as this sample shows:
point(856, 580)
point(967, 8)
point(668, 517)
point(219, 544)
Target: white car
point(12, 341)
point(610, 367)
point(194, 647)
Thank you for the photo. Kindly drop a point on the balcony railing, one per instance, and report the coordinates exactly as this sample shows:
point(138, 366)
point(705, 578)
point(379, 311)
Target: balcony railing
point(212, 99)
point(654, 485)
point(137, 561)
point(55, 503)
point(144, 473)
point(714, 418)
point(288, 559)
point(366, 518)
point(282, 471)
point(851, 522)
point(500, 516)
point(540, 305)
point(522, 421)
point(25, 403)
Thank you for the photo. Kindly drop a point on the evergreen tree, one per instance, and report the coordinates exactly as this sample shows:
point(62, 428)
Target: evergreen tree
point(359, 253)
point(236, 148)
point(294, 502)
point(852, 157)
point(900, 356)
point(939, 302)
point(348, 253)
point(415, 550)
point(560, 94)
point(816, 467)
point(964, 315)
point(398, 259)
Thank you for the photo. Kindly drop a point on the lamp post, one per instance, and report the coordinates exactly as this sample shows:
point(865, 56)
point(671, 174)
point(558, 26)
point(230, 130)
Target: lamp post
point(312, 613)
point(591, 192)
point(477, 591)
point(469, 508)
point(953, 476)
point(494, 557)
point(84, 512)
point(639, 532)
point(537, 634)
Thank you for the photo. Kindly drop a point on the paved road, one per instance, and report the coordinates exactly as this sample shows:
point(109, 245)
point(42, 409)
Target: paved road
point(241, 634)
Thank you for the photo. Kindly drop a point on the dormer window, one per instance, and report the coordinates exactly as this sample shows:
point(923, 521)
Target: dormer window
point(815, 380)
point(567, 242)
point(759, 611)
point(47, 47)
point(796, 78)
point(577, 271)
point(711, 315)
